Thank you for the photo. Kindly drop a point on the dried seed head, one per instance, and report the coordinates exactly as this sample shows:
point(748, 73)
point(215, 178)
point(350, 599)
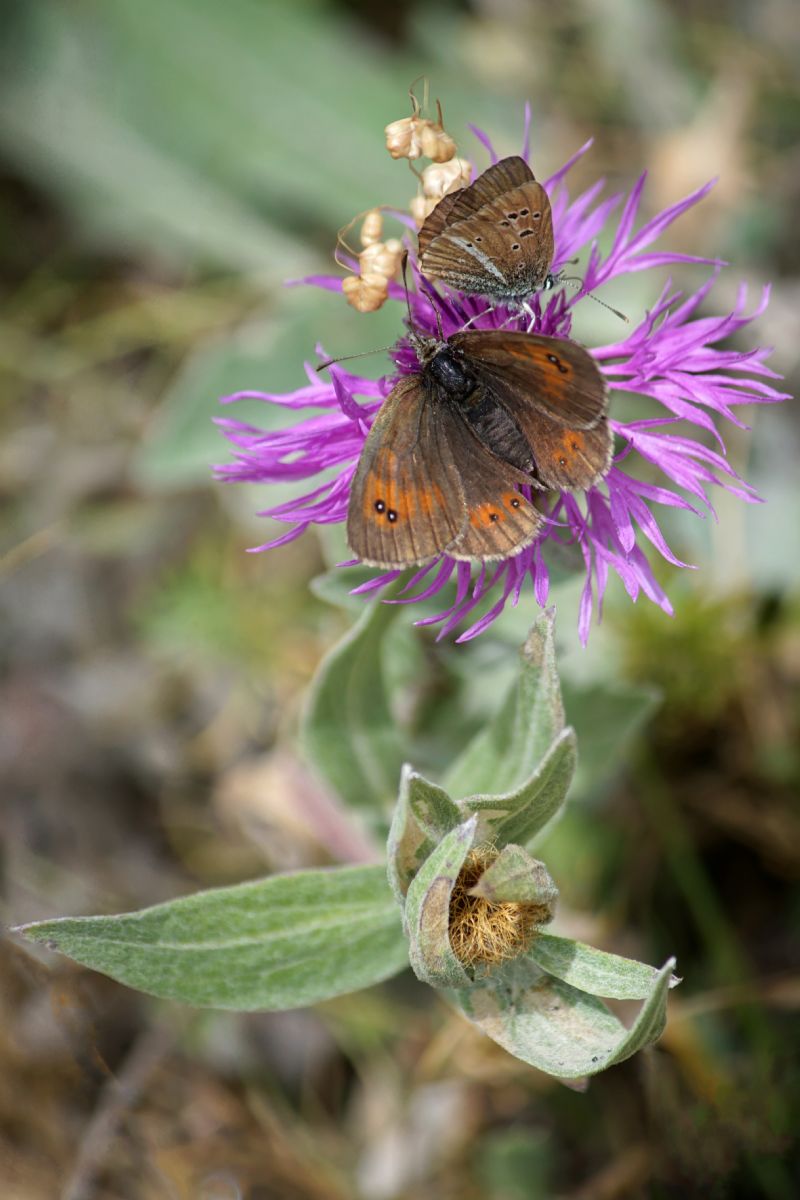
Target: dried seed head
point(366, 293)
point(420, 207)
point(482, 932)
point(436, 144)
point(404, 137)
point(440, 178)
point(382, 257)
point(371, 227)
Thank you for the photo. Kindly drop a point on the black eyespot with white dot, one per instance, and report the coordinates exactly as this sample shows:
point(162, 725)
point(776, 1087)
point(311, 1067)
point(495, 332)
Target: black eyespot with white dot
point(515, 503)
point(493, 517)
point(391, 516)
point(380, 507)
point(556, 361)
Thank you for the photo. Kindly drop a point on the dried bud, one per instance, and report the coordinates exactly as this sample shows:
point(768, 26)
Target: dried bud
point(440, 178)
point(420, 207)
point(436, 144)
point(382, 258)
point(404, 137)
point(484, 929)
point(372, 227)
point(366, 293)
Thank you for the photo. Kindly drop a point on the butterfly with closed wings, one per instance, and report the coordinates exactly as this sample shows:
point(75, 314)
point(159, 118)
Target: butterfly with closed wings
point(487, 412)
point(492, 238)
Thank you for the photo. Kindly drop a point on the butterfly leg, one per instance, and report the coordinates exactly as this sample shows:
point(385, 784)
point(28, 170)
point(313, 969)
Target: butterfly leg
point(526, 308)
point(477, 316)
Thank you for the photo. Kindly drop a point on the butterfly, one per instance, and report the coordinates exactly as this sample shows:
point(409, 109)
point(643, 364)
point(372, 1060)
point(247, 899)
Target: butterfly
point(487, 412)
point(493, 238)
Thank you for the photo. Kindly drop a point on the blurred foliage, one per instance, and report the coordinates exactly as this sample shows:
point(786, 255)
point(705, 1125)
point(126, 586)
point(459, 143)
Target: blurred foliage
point(164, 167)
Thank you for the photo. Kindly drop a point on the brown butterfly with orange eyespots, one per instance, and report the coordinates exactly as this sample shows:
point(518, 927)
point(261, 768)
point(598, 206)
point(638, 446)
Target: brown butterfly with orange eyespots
point(488, 411)
point(493, 238)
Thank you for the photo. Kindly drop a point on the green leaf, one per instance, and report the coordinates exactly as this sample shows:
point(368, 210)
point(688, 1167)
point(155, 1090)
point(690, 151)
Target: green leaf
point(423, 815)
point(516, 877)
point(182, 439)
point(427, 911)
point(280, 942)
point(543, 1021)
point(348, 730)
point(594, 971)
point(554, 1026)
point(652, 1018)
point(605, 718)
point(521, 815)
point(505, 754)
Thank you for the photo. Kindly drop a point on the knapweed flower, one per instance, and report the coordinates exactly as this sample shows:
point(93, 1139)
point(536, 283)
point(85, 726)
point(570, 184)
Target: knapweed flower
point(672, 357)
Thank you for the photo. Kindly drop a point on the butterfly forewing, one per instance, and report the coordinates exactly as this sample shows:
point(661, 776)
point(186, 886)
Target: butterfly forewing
point(548, 375)
point(500, 177)
point(556, 395)
point(406, 500)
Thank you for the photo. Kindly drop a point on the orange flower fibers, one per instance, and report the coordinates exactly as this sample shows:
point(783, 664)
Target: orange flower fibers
point(483, 931)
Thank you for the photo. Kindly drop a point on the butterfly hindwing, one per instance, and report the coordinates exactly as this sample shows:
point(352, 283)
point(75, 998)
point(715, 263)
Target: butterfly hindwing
point(500, 520)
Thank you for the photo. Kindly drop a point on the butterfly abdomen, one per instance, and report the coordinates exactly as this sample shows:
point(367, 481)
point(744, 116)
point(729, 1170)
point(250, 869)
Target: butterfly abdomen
point(494, 426)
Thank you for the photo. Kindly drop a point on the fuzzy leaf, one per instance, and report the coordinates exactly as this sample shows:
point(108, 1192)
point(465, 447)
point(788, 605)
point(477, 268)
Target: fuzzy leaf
point(606, 719)
point(594, 971)
point(515, 876)
point(505, 754)
point(280, 942)
point(553, 1026)
point(427, 911)
point(423, 815)
point(348, 730)
point(519, 816)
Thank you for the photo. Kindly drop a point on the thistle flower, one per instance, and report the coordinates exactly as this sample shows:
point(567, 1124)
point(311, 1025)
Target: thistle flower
point(672, 356)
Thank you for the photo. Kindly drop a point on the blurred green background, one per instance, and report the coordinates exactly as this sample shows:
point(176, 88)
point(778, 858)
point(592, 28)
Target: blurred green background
point(164, 166)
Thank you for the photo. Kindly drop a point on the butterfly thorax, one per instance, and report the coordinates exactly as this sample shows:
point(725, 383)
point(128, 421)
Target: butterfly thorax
point(450, 371)
point(492, 424)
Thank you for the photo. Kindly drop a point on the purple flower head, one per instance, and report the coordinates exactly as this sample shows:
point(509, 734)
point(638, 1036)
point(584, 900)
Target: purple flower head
point(672, 357)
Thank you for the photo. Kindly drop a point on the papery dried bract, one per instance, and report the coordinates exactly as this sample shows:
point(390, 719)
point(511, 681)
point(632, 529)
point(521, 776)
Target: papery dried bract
point(366, 293)
point(437, 145)
point(382, 258)
point(421, 207)
point(371, 227)
point(440, 178)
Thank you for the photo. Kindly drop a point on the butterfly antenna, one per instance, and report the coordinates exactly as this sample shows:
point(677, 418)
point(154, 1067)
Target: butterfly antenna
point(577, 281)
point(346, 357)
